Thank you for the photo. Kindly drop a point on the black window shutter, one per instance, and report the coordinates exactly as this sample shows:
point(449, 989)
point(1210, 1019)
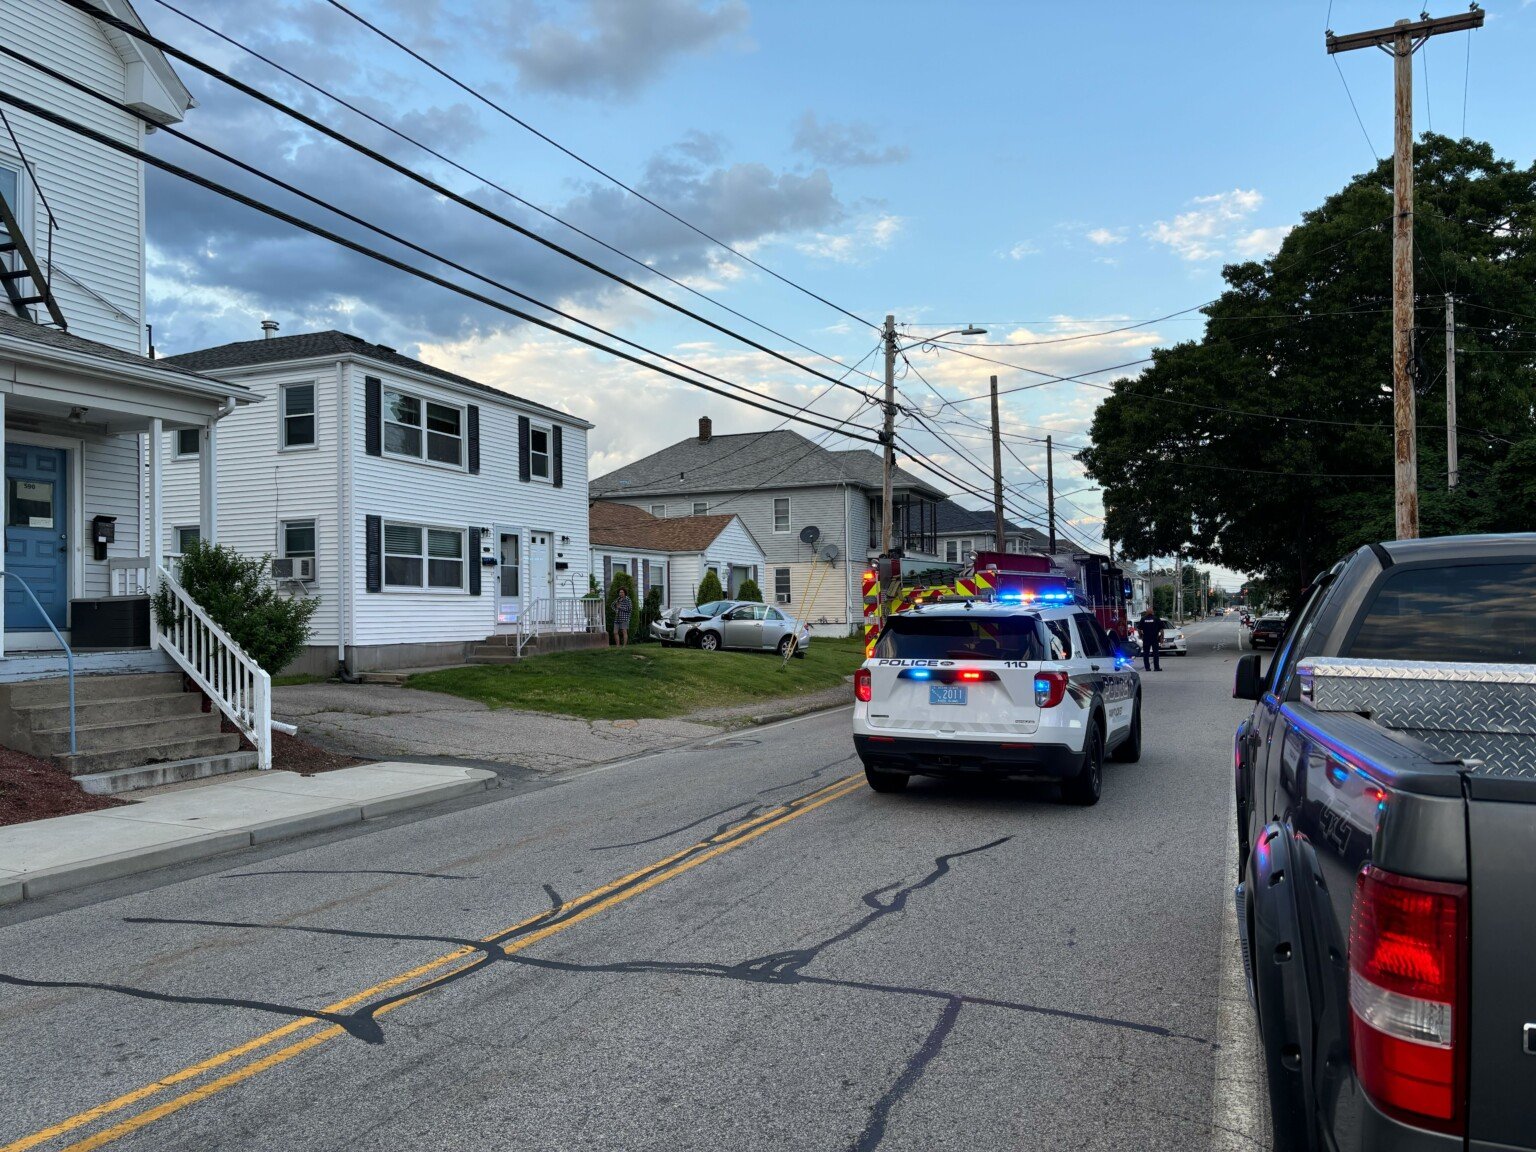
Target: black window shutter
point(473, 435)
point(557, 449)
point(474, 552)
point(523, 472)
point(374, 549)
point(607, 573)
point(373, 417)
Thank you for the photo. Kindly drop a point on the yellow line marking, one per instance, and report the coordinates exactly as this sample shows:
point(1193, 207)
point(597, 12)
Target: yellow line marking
point(741, 834)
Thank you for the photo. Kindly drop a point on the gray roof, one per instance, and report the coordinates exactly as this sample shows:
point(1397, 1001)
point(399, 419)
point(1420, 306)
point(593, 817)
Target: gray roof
point(954, 519)
point(319, 345)
point(779, 459)
point(23, 329)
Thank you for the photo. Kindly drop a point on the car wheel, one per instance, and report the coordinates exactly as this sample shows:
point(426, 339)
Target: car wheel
point(884, 780)
point(785, 645)
point(709, 641)
point(1129, 751)
point(1083, 789)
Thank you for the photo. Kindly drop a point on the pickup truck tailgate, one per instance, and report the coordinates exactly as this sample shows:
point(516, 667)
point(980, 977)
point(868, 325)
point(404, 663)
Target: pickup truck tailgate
point(1501, 827)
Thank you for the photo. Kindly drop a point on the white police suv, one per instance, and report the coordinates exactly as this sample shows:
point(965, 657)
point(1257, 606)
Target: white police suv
point(1013, 691)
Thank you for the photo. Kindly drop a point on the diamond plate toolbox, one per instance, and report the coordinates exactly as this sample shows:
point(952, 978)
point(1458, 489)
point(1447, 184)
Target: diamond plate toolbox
point(1483, 713)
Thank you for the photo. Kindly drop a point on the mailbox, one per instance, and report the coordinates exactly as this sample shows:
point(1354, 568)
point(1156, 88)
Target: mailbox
point(103, 532)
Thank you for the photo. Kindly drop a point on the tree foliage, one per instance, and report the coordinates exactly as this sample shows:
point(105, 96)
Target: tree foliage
point(626, 582)
point(750, 591)
point(709, 588)
point(1266, 446)
point(650, 612)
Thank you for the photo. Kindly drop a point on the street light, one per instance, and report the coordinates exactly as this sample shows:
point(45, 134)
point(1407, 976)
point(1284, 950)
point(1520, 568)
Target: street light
point(888, 433)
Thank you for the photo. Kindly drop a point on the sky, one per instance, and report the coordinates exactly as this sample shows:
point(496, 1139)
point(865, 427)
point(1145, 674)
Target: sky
point(1047, 171)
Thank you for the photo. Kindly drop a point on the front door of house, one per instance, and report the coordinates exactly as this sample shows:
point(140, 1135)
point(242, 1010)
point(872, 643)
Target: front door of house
point(538, 577)
point(36, 536)
point(509, 579)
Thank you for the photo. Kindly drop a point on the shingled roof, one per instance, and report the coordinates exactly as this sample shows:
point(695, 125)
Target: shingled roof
point(332, 344)
point(954, 519)
point(778, 459)
point(625, 526)
point(40, 334)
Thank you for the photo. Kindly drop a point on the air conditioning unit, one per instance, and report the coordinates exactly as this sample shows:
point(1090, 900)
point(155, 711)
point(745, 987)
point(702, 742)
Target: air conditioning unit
point(781, 597)
point(300, 568)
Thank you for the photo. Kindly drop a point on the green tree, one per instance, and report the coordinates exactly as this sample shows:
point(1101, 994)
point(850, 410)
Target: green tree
point(1162, 601)
point(239, 596)
point(750, 591)
point(709, 588)
point(650, 612)
point(1266, 446)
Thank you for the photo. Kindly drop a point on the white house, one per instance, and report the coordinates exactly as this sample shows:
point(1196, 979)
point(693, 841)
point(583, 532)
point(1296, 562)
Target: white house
point(427, 511)
point(673, 553)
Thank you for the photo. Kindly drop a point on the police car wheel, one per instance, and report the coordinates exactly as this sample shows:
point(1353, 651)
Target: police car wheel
point(882, 780)
point(1083, 789)
point(1129, 751)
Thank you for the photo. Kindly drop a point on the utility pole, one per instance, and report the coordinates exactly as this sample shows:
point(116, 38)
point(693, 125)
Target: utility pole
point(1050, 496)
point(1178, 587)
point(1000, 540)
point(888, 434)
point(1401, 41)
point(1451, 467)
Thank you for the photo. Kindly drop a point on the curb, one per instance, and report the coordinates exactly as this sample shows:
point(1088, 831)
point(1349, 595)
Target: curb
point(201, 846)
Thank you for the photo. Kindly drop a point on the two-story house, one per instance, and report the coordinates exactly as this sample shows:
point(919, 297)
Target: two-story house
point(428, 511)
point(816, 512)
point(963, 531)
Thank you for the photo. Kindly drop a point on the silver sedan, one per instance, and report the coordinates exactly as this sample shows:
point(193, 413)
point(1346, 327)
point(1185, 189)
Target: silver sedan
point(750, 625)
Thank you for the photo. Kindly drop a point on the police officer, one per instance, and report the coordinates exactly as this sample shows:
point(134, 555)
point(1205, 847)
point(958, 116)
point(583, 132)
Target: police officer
point(1151, 626)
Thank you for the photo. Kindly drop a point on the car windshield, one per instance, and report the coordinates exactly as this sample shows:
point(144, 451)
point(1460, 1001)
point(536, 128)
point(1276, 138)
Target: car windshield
point(713, 607)
point(1473, 613)
point(960, 638)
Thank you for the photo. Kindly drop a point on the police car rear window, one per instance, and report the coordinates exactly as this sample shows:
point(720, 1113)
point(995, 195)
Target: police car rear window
point(960, 638)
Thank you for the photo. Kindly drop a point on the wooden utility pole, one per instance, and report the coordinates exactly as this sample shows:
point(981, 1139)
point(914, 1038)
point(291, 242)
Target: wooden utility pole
point(1000, 540)
point(888, 434)
point(1401, 41)
point(1050, 496)
point(1451, 467)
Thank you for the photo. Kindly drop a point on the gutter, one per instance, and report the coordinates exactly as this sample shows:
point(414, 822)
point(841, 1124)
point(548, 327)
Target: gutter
point(171, 380)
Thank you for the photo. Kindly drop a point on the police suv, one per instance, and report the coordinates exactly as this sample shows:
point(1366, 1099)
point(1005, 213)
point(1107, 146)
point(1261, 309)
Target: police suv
point(1028, 689)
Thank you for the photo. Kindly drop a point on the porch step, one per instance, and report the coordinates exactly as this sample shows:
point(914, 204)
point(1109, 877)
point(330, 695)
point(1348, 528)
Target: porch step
point(165, 772)
point(93, 712)
point(32, 693)
point(168, 752)
point(140, 734)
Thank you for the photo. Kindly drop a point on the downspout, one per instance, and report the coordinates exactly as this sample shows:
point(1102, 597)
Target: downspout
point(343, 519)
point(847, 566)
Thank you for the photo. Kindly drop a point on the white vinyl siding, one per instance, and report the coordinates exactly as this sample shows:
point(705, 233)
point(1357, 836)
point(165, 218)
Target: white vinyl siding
point(111, 488)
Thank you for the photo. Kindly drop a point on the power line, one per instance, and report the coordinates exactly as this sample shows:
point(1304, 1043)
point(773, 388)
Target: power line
point(1466, 79)
point(489, 103)
point(310, 122)
point(373, 254)
point(953, 345)
point(488, 182)
point(1356, 110)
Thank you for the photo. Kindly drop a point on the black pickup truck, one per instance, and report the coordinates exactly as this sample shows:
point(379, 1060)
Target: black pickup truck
point(1386, 808)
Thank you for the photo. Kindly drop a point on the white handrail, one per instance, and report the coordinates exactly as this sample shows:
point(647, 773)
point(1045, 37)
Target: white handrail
point(240, 687)
point(570, 614)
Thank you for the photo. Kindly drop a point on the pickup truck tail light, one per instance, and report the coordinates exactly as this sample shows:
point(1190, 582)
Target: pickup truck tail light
point(863, 686)
point(1050, 689)
point(1408, 997)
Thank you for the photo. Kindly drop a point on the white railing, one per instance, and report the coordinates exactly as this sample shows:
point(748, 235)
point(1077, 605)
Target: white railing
point(567, 614)
point(237, 684)
point(129, 575)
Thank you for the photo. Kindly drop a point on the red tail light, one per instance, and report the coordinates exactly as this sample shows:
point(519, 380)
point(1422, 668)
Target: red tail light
point(1050, 689)
point(970, 675)
point(1408, 997)
point(863, 686)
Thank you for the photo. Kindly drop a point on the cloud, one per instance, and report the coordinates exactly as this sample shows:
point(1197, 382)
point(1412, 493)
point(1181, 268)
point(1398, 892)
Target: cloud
point(1209, 226)
point(621, 45)
point(1261, 242)
point(1103, 236)
point(871, 234)
point(1020, 250)
point(843, 145)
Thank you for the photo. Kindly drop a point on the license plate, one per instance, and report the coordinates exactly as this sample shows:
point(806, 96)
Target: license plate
point(946, 694)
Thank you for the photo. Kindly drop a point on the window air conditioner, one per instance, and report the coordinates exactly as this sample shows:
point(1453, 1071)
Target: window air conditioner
point(282, 569)
point(301, 568)
point(781, 597)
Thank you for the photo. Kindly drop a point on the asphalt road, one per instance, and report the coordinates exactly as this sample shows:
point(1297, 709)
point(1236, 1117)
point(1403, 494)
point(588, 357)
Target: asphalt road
point(734, 946)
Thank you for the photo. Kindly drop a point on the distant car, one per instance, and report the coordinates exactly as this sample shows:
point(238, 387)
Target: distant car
point(676, 623)
point(1267, 632)
point(1174, 642)
point(746, 624)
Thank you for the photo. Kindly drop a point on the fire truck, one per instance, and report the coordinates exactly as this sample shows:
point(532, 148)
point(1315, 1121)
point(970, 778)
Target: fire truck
point(1091, 579)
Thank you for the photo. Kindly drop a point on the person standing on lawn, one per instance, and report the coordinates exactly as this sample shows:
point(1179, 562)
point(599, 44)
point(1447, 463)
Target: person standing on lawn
point(622, 608)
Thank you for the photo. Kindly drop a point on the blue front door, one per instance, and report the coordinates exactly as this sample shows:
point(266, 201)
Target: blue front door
point(36, 536)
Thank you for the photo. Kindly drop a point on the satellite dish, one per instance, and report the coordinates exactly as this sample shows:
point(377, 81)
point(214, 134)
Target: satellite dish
point(810, 534)
point(830, 553)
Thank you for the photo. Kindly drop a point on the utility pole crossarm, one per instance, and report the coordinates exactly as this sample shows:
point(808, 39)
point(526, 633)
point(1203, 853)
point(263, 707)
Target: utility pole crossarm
point(1418, 31)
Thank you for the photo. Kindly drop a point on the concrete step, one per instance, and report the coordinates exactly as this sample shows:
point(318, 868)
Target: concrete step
point(33, 693)
point(165, 772)
point(145, 734)
point(87, 712)
point(86, 763)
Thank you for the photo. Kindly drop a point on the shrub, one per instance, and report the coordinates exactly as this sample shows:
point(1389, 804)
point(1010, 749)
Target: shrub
point(627, 582)
point(650, 612)
point(709, 589)
point(750, 591)
point(239, 597)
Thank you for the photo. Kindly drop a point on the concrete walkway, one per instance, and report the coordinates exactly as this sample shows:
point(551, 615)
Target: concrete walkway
point(182, 824)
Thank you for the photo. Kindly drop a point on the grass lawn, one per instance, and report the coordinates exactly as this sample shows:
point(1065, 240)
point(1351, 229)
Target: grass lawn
point(297, 678)
point(646, 681)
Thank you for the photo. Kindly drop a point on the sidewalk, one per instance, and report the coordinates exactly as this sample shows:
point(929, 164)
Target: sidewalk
point(174, 826)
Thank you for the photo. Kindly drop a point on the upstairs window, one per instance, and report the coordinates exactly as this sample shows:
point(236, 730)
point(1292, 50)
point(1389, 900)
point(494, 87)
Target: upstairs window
point(298, 538)
point(700, 507)
point(538, 453)
point(420, 429)
point(952, 551)
point(298, 416)
point(781, 514)
point(658, 510)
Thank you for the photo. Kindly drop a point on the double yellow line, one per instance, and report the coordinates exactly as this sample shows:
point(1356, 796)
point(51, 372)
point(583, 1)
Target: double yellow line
point(524, 934)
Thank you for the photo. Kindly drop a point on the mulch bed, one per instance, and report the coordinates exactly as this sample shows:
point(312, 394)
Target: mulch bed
point(33, 789)
point(293, 754)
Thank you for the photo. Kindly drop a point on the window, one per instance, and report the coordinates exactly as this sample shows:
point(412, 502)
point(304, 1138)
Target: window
point(958, 638)
point(1095, 642)
point(440, 440)
point(1060, 635)
point(617, 566)
point(952, 551)
point(538, 453)
point(511, 566)
point(658, 510)
point(781, 585)
point(1473, 613)
point(420, 557)
point(186, 536)
point(31, 504)
point(700, 508)
point(298, 538)
point(298, 414)
point(781, 514)
point(966, 548)
point(189, 442)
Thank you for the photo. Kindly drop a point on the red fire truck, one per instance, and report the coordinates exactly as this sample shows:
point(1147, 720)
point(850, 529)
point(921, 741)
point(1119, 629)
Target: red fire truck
point(1095, 580)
